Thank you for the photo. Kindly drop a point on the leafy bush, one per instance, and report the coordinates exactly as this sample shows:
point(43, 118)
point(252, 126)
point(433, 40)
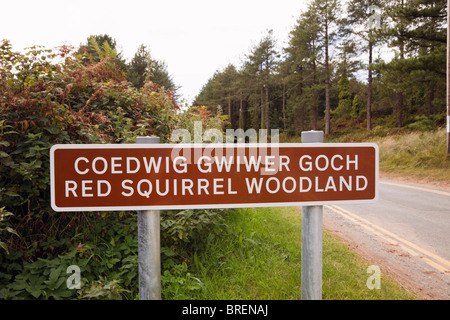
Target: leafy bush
point(44, 103)
point(5, 227)
point(422, 123)
point(105, 248)
point(51, 97)
point(192, 226)
point(176, 281)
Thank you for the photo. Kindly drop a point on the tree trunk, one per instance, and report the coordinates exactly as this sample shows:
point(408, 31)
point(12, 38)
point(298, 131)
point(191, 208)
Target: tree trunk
point(429, 100)
point(229, 111)
point(302, 105)
point(327, 84)
point(399, 111)
point(302, 118)
point(267, 109)
point(369, 89)
point(284, 107)
point(241, 114)
point(262, 108)
point(315, 107)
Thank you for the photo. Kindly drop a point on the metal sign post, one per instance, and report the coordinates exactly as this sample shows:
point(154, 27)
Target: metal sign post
point(311, 286)
point(149, 252)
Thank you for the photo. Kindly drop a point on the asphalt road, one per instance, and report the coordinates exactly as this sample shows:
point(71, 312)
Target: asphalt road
point(407, 230)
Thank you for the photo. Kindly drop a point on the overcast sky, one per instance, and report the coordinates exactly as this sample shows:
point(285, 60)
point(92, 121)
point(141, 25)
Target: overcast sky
point(194, 37)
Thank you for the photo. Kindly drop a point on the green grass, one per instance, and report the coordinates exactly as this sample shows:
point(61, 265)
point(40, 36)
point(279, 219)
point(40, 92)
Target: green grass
point(260, 258)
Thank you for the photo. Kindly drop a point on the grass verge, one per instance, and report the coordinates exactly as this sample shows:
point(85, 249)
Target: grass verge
point(260, 258)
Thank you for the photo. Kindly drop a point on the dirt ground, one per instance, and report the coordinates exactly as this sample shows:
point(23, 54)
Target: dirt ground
point(410, 271)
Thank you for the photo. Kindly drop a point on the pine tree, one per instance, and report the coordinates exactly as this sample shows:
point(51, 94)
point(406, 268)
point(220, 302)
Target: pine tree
point(261, 63)
point(324, 16)
point(139, 66)
point(418, 33)
point(365, 19)
point(345, 99)
point(143, 68)
point(99, 47)
point(302, 57)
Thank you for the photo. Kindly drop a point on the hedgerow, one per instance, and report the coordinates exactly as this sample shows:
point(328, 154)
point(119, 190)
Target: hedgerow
point(50, 97)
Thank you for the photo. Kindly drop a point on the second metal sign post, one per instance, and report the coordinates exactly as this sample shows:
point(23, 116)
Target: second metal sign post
point(149, 248)
point(312, 244)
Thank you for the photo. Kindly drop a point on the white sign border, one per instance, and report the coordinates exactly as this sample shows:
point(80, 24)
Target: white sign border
point(210, 145)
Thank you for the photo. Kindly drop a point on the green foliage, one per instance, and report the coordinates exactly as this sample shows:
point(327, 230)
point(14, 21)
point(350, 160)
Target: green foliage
point(356, 107)
point(191, 227)
point(143, 68)
point(104, 290)
point(46, 101)
point(178, 284)
point(99, 47)
point(5, 228)
point(104, 246)
point(422, 123)
point(344, 107)
point(139, 67)
point(245, 95)
point(103, 249)
point(295, 92)
point(204, 119)
point(43, 279)
point(63, 97)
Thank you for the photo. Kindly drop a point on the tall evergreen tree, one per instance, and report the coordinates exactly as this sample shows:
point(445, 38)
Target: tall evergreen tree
point(418, 33)
point(103, 46)
point(303, 55)
point(261, 63)
point(142, 68)
point(365, 19)
point(158, 73)
point(327, 13)
point(138, 68)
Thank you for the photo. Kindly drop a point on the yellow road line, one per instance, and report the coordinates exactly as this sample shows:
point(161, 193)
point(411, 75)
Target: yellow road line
point(370, 226)
point(417, 188)
point(410, 251)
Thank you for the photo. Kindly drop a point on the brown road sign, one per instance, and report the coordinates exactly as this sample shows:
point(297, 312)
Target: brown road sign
point(176, 176)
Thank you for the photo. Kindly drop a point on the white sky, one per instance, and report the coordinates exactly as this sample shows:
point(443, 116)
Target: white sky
point(194, 37)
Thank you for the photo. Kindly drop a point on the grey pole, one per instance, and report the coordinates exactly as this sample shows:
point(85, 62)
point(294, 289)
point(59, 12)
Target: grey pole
point(149, 250)
point(311, 287)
